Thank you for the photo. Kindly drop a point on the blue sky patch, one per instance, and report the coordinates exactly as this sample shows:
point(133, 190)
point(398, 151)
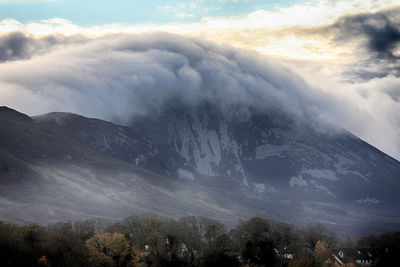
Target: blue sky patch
point(100, 12)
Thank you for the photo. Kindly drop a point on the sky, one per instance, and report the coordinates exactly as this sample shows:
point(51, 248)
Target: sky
point(338, 58)
point(131, 12)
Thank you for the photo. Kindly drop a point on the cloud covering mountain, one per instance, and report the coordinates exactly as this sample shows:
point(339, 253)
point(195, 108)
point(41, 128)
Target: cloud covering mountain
point(120, 76)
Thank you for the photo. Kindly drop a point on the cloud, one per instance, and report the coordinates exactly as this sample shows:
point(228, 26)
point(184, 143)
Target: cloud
point(317, 31)
point(305, 14)
point(120, 76)
point(13, 46)
point(141, 72)
point(376, 39)
point(17, 45)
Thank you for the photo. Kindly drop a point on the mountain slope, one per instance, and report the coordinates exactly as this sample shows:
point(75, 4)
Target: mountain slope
point(195, 160)
point(312, 172)
point(268, 151)
point(47, 176)
point(120, 142)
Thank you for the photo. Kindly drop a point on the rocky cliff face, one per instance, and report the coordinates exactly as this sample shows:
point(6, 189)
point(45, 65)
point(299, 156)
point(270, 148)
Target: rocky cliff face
point(273, 154)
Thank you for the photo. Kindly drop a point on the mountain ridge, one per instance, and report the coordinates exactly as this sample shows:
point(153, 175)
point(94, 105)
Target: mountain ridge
point(254, 166)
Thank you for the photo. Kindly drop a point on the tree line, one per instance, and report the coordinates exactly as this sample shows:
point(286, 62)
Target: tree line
point(189, 241)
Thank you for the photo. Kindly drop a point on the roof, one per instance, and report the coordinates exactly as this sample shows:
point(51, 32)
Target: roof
point(285, 250)
point(364, 254)
point(350, 254)
point(337, 259)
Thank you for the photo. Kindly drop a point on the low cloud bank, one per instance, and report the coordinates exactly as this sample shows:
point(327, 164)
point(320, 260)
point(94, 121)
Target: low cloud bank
point(117, 77)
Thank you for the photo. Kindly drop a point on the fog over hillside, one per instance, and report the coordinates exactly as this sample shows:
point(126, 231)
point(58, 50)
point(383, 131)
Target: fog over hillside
point(120, 76)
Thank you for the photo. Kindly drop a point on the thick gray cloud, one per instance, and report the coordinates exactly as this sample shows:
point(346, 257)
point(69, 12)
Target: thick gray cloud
point(13, 46)
point(117, 77)
point(382, 31)
point(379, 37)
point(16, 45)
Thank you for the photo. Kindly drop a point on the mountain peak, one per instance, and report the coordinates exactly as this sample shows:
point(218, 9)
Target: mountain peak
point(7, 113)
point(58, 116)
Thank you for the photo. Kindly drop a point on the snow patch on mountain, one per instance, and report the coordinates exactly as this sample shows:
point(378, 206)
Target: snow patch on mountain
point(321, 174)
point(321, 188)
point(368, 200)
point(105, 142)
point(298, 181)
point(199, 145)
point(260, 188)
point(185, 174)
point(266, 188)
point(347, 166)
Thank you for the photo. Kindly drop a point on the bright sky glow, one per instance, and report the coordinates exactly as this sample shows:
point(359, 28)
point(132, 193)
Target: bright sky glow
point(264, 26)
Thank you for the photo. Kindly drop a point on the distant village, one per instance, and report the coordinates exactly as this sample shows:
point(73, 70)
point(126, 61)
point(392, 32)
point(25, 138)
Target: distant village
point(189, 241)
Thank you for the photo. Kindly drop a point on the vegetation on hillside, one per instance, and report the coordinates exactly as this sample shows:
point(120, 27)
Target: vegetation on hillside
point(189, 241)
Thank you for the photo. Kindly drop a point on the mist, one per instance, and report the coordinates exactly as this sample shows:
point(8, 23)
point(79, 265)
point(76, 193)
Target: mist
point(120, 76)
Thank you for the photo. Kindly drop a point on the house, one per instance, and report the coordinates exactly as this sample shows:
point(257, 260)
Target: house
point(343, 256)
point(288, 253)
point(364, 257)
point(179, 248)
point(361, 257)
point(183, 249)
point(146, 251)
point(285, 252)
point(337, 259)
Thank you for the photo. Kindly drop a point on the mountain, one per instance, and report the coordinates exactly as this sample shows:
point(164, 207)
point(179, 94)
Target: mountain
point(195, 160)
